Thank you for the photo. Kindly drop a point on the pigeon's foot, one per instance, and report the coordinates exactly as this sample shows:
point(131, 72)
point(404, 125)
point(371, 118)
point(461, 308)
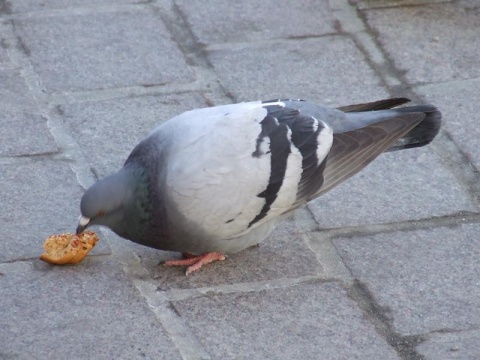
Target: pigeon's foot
point(195, 262)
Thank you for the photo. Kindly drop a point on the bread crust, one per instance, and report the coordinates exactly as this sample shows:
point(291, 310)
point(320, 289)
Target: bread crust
point(68, 248)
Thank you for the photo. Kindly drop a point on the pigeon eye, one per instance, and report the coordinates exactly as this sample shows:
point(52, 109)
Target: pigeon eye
point(101, 213)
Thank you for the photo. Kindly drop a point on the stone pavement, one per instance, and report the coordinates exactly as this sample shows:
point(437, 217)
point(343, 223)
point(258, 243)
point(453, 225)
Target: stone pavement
point(385, 266)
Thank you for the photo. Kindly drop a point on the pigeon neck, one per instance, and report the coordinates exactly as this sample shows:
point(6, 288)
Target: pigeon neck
point(137, 208)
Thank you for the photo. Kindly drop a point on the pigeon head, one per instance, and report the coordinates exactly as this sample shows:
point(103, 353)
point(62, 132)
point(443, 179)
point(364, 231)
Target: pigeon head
point(108, 201)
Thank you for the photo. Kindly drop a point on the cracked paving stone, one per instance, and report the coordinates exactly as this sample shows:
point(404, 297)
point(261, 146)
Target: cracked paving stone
point(90, 311)
point(308, 321)
point(248, 20)
point(443, 47)
point(427, 280)
point(320, 69)
point(102, 50)
point(399, 186)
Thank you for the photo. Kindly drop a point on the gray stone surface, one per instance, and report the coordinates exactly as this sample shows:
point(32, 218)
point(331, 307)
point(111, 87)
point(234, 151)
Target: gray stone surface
point(453, 345)
point(56, 314)
point(18, 6)
point(24, 134)
point(24, 130)
point(39, 197)
point(14, 92)
point(99, 51)
point(3, 52)
point(399, 186)
point(96, 70)
point(459, 101)
point(330, 70)
point(443, 46)
point(298, 322)
point(249, 20)
point(425, 280)
point(109, 130)
point(372, 4)
point(282, 255)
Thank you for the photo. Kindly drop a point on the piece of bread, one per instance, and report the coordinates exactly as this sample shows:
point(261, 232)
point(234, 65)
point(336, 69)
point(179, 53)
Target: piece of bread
point(68, 248)
point(84, 243)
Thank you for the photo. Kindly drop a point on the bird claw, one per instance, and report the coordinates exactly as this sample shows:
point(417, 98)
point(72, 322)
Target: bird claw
point(195, 262)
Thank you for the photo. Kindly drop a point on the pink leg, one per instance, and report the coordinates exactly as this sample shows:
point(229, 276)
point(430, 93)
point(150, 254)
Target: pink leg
point(195, 262)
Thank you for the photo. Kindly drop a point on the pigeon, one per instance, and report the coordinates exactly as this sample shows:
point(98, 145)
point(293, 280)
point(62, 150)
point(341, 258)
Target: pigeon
point(215, 181)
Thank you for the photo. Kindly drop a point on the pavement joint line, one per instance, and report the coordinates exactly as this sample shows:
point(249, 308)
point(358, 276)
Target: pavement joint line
point(239, 288)
point(58, 129)
point(462, 168)
point(354, 25)
point(72, 151)
point(405, 346)
point(382, 4)
point(426, 86)
point(40, 155)
point(330, 261)
point(411, 225)
point(193, 51)
point(75, 11)
point(240, 45)
point(346, 15)
point(16, 266)
point(453, 331)
point(187, 344)
point(304, 220)
point(21, 61)
point(123, 92)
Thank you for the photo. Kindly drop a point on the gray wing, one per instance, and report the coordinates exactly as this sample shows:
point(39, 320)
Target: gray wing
point(361, 133)
point(353, 150)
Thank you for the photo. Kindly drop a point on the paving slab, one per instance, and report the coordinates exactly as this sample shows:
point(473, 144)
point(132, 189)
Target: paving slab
point(451, 345)
point(87, 311)
point(24, 133)
point(102, 50)
point(372, 4)
point(249, 20)
point(4, 59)
point(329, 70)
point(14, 92)
point(458, 101)
point(443, 46)
point(399, 186)
point(19, 6)
point(107, 131)
point(297, 322)
point(24, 130)
point(39, 197)
point(425, 280)
point(284, 254)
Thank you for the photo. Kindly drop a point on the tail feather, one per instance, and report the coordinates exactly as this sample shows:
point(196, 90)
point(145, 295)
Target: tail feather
point(423, 133)
point(375, 105)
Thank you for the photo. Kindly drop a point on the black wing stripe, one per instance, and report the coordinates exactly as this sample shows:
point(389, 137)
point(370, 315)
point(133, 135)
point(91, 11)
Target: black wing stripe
point(285, 127)
point(280, 150)
point(305, 134)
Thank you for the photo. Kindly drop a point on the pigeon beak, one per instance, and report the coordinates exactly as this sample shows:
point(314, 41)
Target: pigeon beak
point(82, 224)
